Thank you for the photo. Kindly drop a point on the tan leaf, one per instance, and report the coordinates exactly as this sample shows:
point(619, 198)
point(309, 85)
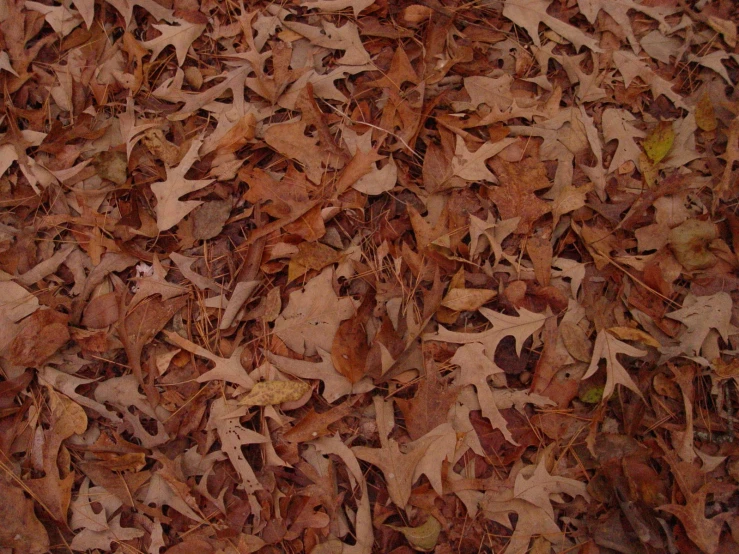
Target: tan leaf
point(21, 529)
point(397, 467)
point(471, 165)
point(520, 327)
point(609, 347)
point(170, 209)
point(515, 196)
point(459, 299)
point(313, 315)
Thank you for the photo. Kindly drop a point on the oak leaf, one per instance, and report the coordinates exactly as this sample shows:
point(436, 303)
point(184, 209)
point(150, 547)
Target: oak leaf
point(609, 347)
point(520, 327)
point(233, 437)
point(335, 385)
point(397, 466)
point(471, 165)
point(515, 196)
point(530, 13)
point(700, 314)
point(98, 531)
point(180, 36)
point(429, 407)
point(170, 209)
point(313, 315)
point(225, 369)
point(21, 530)
point(535, 484)
point(704, 532)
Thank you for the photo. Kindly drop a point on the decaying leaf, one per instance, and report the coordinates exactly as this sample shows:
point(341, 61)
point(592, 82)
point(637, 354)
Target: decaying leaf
point(269, 393)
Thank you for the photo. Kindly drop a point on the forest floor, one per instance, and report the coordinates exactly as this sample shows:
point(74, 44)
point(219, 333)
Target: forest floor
point(355, 276)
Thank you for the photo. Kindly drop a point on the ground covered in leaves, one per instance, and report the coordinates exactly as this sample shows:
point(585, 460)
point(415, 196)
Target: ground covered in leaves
point(354, 276)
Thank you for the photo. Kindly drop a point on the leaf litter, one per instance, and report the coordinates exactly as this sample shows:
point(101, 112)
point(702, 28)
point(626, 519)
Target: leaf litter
point(357, 276)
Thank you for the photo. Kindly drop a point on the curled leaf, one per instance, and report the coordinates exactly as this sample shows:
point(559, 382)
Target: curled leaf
point(689, 242)
point(423, 537)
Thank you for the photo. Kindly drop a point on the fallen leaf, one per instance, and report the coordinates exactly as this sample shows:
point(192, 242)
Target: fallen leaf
point(21, 529)
point(312, 316)
point(268, 393)
point(170, 209)
point(659, 141)
point(515, 196)
point(423, 537)
point(609, 347)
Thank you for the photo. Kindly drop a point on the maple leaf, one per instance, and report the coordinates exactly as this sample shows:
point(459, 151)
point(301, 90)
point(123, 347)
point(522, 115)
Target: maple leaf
point(609, 347)
point(170, 209)
point(515, 196)
point(313, 315)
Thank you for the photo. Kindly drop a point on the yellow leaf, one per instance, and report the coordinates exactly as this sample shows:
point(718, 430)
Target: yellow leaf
point(628, 333)
point(705, 117)
point(659, 141)
point(424, 537)
point(269, 393)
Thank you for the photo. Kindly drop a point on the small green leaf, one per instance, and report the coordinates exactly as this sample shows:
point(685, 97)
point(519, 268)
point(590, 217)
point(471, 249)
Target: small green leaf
point(423, 537)
point(659, 141)
point(592, 395)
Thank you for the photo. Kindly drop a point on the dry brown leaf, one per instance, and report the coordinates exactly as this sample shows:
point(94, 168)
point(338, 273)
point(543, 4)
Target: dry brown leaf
point(170, 209)
point(21, 530)
point(515, 196)
point(312, 316)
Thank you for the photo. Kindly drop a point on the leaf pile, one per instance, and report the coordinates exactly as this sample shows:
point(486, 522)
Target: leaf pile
point(354, 276)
